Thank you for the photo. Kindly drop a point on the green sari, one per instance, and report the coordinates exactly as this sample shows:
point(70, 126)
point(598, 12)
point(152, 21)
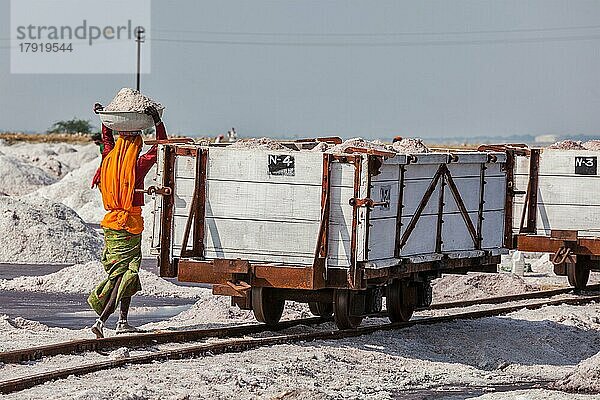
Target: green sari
point(122, 256)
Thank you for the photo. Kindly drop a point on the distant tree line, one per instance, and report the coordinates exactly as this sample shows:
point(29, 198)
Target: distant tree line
point(72, 126)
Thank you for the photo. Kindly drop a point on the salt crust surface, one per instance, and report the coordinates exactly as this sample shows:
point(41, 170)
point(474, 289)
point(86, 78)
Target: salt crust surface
point(585, 378)
point(128, 99)
point(82, 278)
point(40, 231)
point(463, 354)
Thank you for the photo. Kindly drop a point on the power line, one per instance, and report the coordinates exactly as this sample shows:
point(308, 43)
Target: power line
point(384, 44)
point(371, 34)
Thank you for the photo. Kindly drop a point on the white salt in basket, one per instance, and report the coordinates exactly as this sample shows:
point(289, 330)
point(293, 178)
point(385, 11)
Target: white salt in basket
point(126, 121)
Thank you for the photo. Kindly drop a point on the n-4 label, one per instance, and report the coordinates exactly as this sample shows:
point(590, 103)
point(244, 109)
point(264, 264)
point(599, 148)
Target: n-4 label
point(281, 164)
point(586, 165)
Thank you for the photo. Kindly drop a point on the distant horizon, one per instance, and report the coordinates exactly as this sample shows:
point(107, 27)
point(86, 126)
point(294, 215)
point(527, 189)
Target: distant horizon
point(527, 138)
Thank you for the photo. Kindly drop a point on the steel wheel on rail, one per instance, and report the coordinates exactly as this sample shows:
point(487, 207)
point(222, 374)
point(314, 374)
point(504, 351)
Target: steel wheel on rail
point(342, 310)
point(399, 301)
point(266, 306)
point(578, 273)
point(321, 309)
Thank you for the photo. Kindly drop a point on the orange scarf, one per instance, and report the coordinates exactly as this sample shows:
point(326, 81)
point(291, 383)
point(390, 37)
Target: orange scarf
point(117, 185)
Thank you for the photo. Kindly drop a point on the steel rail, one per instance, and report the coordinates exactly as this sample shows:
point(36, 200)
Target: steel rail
point(140, 340)
point(505, 299)
point(240, 345)
point(174, 336)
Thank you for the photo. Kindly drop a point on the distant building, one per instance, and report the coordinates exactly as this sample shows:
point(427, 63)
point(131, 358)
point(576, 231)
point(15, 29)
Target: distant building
point(546, 139)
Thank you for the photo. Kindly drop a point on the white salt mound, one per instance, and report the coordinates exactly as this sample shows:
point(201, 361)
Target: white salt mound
point(74, 191)
point(57, 159)
point(476, 286)
point(131, 100)
point(593, 145)
point(359, 142)
point(19, 177)
point(585, 378)
point(82, 278)
point(39, 231)
point(262, 143)
point(567, 145)
point(410, 146)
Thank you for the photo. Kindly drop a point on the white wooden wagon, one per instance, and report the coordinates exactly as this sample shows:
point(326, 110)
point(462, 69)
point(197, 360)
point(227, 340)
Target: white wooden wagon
point(338, 231)
point(557, 209)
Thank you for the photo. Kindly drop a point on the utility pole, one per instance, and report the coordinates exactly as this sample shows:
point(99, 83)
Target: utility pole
point(139, 39)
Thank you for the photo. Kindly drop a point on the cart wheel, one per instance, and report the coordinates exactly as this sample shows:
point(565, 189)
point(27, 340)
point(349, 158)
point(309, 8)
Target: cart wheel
point(267, 308)
point(578, 274)
point(342, 306)
point(321, 309)
point(399, 301)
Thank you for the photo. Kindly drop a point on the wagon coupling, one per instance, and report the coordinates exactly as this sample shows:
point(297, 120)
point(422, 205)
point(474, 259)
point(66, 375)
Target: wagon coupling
point(561, 256)
point(165, 191)
point(368, 203)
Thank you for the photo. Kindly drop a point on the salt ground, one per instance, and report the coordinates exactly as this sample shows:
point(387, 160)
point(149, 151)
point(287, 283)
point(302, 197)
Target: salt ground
point(39, 231)
point(477, 353)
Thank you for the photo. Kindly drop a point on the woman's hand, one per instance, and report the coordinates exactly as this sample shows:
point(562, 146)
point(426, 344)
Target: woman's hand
point(153, 112)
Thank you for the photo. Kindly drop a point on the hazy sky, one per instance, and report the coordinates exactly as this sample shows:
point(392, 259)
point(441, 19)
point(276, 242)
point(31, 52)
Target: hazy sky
point(350, 68)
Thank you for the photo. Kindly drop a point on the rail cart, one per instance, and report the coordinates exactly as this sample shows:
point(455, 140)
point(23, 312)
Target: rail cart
point(557, 207)
point(337, 231)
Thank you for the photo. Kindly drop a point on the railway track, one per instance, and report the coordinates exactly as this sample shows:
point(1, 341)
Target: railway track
point(172, 336)
point(233, 344)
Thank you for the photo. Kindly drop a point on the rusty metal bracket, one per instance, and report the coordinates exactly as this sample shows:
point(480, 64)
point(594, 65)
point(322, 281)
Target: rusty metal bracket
point(233, 289)
point(197, 211)
point(530, 206)
point(400, 206)
point(164, 191)
point(169, 141)
point(167, 268)
point(322, 247)
point(368, 203)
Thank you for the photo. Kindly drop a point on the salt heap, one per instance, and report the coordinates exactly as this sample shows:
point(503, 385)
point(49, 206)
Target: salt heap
point(585, 378)
point(567, 145)
point(359, 142)
point(410, 146)
point(476, 286)
point(131, 100)
point(74, 191)
point(82, 278)
point(39, 231)
point(593, 145)
point(262, 143)
point(19, 178)
point(57, 159)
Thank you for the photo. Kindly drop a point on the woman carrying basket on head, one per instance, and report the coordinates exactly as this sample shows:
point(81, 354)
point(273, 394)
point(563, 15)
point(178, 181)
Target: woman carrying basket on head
point(120, 174)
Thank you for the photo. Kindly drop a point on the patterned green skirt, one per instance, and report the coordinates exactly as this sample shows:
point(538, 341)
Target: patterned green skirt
point(122, 256)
